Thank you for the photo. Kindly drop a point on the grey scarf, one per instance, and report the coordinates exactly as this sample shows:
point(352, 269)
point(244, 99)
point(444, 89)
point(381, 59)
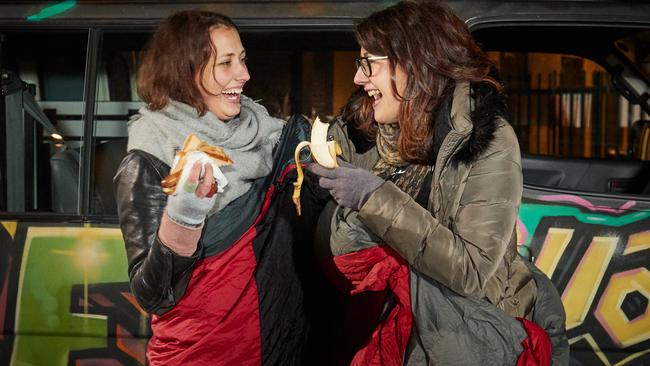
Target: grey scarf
point(248, 139)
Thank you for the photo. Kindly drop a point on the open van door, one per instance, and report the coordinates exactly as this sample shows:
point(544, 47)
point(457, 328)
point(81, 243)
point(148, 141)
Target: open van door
point(580, 108)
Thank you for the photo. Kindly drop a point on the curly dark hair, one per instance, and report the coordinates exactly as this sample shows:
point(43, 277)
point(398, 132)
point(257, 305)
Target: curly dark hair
point(434, 48)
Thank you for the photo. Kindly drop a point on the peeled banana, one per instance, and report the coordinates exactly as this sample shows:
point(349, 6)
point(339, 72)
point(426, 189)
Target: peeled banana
point(323, 151)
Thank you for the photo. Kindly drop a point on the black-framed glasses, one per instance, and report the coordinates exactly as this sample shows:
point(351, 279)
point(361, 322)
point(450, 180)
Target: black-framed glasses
point(364, 63)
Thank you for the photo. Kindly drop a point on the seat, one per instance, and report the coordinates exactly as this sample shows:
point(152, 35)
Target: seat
point(64, 167)
point(108, 156)
point(640, 143)
point(640, 139)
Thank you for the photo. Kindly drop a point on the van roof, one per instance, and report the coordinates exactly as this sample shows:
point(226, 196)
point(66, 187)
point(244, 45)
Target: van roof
point(296, 13)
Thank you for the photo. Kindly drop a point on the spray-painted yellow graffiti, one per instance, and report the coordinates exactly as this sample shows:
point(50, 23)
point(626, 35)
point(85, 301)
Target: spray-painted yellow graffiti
point(597, 263)
point(581, 290)
point(625, 332)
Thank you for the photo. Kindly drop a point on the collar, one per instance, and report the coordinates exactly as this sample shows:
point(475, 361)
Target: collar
point(468, 125)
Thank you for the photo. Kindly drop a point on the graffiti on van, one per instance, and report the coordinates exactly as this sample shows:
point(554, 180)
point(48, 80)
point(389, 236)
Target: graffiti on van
point(72, 299)
point(598, 258)
point(65, 289)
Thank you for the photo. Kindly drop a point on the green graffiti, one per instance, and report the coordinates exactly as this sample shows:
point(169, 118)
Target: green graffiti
point(51, 266)
point(52, 10)
point(532, 214)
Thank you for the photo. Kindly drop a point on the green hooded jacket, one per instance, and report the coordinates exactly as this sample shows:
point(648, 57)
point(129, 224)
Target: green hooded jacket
point(466, 238)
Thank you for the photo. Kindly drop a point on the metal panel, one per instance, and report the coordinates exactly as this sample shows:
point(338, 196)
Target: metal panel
point(16, 132)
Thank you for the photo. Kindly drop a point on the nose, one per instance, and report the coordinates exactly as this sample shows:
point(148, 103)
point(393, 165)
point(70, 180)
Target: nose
point(242, 74)
point(360, 78)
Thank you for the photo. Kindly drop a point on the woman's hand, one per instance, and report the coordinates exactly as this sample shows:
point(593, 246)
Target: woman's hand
point(194, 196)
point(350, 186)
point(187, 208)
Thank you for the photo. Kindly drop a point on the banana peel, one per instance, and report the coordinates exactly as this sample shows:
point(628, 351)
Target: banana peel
point(323, 151)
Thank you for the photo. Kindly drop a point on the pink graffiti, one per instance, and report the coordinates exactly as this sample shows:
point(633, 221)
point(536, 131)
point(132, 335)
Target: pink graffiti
point(586, 204)
point(523, 232)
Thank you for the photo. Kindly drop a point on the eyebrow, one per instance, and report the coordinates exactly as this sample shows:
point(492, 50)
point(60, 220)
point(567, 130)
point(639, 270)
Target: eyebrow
point(232, 54)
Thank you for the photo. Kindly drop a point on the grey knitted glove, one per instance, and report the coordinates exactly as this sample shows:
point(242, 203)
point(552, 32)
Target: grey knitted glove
point(350, 186)
point(194, 197)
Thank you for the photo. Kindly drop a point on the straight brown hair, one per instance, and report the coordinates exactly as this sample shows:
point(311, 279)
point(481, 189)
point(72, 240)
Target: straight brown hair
point(433, 47)
point(179, 48)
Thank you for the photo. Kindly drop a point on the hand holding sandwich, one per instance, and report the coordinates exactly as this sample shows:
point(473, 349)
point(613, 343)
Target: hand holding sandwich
point(193, 181)
point(187, 207)
point(194, 195)
point(191, 185)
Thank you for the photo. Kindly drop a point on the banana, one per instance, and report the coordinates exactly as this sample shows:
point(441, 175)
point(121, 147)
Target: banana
point(323, 151)
point(320, 147)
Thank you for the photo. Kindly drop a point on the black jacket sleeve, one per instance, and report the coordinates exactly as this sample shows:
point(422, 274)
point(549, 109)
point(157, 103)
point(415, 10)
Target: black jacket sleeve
point(158, 277)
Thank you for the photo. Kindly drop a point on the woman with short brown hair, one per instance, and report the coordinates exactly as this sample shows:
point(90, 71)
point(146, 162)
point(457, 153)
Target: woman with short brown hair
point(169, 66)
point(213, 261)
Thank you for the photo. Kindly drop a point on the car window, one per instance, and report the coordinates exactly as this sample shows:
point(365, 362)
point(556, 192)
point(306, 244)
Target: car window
point(307, 73)
point(41, 117)
point(576, 127)
point(304, 72)
point(565, 105)
point(116, 100)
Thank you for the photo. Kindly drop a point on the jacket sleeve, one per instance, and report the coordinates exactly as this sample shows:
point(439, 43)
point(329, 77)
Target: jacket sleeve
point(158, 277)
point(550, 315)
point(464, 254)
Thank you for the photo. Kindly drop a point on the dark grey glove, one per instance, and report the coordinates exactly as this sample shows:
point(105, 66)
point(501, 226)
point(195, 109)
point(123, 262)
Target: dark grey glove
point(350, 186)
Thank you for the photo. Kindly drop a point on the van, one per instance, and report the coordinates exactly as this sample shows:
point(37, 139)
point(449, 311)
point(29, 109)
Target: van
point(577, 75)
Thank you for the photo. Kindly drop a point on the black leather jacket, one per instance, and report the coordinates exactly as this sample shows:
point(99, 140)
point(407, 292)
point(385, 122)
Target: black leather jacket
point(158, 276)
point(295, 303)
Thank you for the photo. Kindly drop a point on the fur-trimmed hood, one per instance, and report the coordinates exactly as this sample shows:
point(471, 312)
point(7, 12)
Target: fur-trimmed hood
point(473, 111)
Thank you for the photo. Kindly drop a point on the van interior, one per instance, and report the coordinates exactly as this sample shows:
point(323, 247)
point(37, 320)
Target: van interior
point(578, 102)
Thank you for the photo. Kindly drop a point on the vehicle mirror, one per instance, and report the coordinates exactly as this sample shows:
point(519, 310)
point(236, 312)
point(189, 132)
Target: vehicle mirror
point(629, 83)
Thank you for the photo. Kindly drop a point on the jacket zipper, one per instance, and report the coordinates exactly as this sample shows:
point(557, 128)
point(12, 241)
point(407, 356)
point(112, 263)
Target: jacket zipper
point(170, 296)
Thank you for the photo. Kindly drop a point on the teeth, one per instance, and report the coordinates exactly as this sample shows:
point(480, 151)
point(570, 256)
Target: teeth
point(232, 91)
point(374, 93)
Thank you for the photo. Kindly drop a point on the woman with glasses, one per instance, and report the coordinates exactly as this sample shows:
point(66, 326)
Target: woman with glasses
point(432, 218)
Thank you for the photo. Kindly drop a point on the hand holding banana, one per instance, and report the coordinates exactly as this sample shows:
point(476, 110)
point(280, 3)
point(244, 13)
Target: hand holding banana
point(349, 185)
point(323, 151)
